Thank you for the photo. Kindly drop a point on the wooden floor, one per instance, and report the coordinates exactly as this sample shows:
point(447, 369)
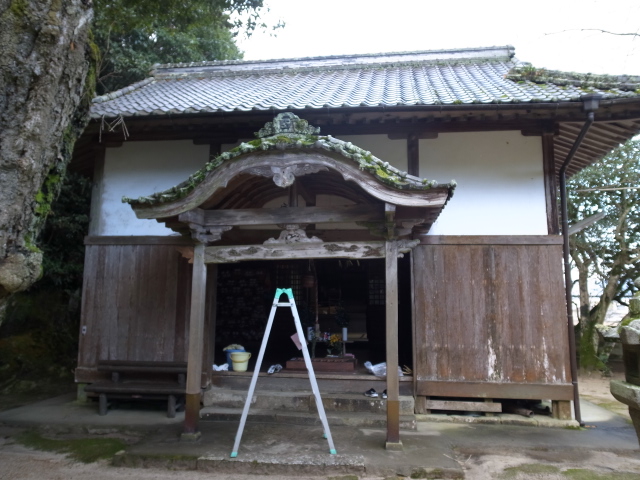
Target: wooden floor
point(357, 382)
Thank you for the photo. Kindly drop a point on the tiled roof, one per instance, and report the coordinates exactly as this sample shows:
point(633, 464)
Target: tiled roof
point(446, 77)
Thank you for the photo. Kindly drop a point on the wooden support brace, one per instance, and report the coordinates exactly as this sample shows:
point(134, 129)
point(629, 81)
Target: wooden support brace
point(421, 405)
point(489, 413)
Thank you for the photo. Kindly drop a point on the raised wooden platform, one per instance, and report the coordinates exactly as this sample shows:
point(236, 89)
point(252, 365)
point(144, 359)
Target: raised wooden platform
point(328, 382)
point(327, 364)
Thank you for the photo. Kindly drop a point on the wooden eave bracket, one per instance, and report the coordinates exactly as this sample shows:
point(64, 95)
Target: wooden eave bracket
point(399, 222)
point(201, 232)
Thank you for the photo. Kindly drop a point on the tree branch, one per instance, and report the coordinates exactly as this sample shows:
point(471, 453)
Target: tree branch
point(595, 30)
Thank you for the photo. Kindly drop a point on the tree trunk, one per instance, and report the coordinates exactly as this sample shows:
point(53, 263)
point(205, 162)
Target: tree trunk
point(583, 288)
point(45, 93)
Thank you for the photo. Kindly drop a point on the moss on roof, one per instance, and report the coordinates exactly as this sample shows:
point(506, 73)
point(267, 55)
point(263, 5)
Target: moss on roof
point(299, 139)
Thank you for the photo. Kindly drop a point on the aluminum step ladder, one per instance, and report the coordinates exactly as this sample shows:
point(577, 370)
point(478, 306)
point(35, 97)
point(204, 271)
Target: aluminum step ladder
point(307, 360)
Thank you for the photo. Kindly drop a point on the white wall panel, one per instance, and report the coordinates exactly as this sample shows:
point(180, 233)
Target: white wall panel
point(499, 174)
point(392, 151)
point(142, 168)
point(500, 182)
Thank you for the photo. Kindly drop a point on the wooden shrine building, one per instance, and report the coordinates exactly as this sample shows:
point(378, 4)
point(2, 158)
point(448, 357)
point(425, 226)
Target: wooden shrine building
point(465, 290)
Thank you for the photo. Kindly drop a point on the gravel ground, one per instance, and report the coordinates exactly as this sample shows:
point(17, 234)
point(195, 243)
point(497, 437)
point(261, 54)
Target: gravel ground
point(20, 463)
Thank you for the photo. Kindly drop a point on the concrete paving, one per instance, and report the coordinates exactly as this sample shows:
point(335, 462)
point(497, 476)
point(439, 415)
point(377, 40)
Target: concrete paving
point(433, 450)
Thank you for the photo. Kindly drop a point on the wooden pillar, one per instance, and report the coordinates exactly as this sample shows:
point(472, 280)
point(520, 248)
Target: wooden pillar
point(196, 339)
point(393, 387)
point(413, 155)
point(550, 185)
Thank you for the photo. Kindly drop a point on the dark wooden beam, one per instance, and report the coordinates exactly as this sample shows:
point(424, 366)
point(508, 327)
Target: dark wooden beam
point(295, 251)
point(413, 155)
point(550, 187)
point(423, 135)
point(309, 197)
point(271, 216)
point(253, 236)
point(490, 239)
point(524, 391)
point(214, 149)
point(137, 240)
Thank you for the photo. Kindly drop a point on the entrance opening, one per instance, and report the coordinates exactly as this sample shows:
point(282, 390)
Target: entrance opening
point(328, 291)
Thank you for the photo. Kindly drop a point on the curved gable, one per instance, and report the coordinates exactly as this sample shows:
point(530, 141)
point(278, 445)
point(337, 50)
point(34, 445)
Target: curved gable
point(285, 149)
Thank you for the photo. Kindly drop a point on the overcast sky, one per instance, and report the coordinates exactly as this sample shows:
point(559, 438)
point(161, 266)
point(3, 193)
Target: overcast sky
point(545, 33)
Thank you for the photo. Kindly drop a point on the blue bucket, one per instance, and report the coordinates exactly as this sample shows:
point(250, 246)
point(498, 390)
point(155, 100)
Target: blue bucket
point(229, 362)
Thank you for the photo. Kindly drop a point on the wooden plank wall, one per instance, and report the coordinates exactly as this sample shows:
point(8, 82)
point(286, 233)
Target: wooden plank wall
point(489, 310)
point(135, 305)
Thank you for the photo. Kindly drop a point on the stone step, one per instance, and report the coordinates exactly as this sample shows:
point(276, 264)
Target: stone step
point(303, 401)
point(351, 419)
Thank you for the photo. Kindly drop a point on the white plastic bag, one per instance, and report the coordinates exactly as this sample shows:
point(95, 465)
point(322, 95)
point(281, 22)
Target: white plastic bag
point(380, 369)
point(222, 368)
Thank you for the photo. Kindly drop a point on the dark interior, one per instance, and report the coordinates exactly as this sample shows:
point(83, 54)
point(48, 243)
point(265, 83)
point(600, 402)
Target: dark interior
point(246, 290)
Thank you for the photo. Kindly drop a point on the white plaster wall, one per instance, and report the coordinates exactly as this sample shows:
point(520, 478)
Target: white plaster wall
point(499, 174)
point(141, 168)
point(500, 182)
point(392, 151)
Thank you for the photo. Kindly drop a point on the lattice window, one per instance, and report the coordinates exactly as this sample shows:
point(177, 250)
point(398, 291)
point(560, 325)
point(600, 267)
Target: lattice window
point(376, 291)
point(288, 276)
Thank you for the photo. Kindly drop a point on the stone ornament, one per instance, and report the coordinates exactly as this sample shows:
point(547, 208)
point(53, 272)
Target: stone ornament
point(284, 177)
point(287, 122)
point(292, 233)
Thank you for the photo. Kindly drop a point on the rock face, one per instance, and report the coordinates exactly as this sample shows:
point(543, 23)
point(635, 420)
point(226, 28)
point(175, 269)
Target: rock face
point(628, 392)
point(44, 60)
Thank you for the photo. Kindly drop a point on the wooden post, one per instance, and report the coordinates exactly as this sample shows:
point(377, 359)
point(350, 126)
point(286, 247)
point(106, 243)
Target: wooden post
point(393, 387)
point(196, 339)
point(550, 186)
point(413, 154)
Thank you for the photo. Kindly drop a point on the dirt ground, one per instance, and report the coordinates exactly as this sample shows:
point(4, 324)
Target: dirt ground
point(545, 465)
point(20, 463)
point(595, 388)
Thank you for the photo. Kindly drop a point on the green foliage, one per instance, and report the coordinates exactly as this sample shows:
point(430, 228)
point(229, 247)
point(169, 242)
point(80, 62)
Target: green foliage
point(133, 36)
point(62, 239)
point(529, 469)
point(607, 252)
point(582, 474)
point(85, 450)
point(611, 245)
point(40, 329)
